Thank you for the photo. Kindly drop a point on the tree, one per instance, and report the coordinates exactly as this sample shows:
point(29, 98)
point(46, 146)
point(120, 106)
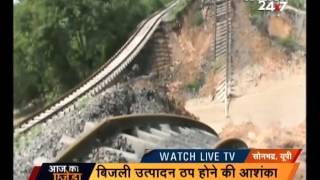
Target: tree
point(58, 43)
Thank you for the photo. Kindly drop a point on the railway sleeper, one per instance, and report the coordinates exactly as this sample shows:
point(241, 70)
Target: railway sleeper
point(221, 88)
point(219, 99)
point(221, 47)
point(222, 37)
point(138, 145)
point(221, 50)
point(148, 136)
point(218, 2)
point(222, 11)
point(159, 133)
point(221, 5)
point(220, 32)
point(221, 42)
point(201, 136)
point(166, 128)
point(223, 22)
point(194, 139)
point(222, 28)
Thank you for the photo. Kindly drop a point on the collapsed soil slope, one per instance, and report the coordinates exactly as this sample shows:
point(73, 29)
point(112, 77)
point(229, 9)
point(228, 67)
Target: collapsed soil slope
point(274, 101)
point(270, 109)
point(190, 45)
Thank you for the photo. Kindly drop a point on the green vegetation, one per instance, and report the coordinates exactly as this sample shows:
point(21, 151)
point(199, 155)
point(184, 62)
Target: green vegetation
point(174, 12)
point(58, 43)
point(197, 18)
point(297, 3)
point(256, 16)
point(83, 101)
point(217, 64)
point(196, 84)
point(22, 141)
point(253, 8)
point(288, 43)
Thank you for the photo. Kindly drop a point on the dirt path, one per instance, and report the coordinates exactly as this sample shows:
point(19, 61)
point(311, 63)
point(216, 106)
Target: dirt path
point(272, 102)
point(270, 115)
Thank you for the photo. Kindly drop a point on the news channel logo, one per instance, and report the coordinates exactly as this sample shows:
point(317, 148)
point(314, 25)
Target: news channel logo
point(276, 6)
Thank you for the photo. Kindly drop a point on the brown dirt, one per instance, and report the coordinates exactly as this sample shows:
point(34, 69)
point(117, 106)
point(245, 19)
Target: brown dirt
point(279, 98)
point(189, 50)
point(270, 112)
point(279, 27)
point(275, 137)
point(250, 45)
point(208, 89)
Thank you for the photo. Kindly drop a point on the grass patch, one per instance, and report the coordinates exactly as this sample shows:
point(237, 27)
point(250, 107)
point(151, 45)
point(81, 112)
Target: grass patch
point(21, 142)
point(253, 7)
point(196, 84)
point(257, 17)
point(289, 43)
point(297, 3)
point(258, 20)
point(217, 64)
point(166, 2)
point(197, 18)
point(174, 12)
point(83, 101)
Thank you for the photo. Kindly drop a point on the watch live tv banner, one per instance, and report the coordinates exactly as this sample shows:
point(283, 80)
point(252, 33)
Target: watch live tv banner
point(183, 164)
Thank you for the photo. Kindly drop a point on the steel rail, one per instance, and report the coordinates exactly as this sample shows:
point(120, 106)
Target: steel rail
point(110, 127)
point(154, 20)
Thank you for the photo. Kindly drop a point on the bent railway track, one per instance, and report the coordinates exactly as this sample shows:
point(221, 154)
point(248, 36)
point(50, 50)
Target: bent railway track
point(222, 50)
point(100, 78)
point(126, 138)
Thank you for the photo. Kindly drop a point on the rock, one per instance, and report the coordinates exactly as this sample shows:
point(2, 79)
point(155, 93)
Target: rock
point(39, 160)
point(88, 126)
point(66, 140)
point(56, 134)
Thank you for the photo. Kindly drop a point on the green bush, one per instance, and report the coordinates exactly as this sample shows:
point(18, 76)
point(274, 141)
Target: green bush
point(217, 64)
point(197, 18)
point(196, 84)
point(174, 12)
point(21, 142)
point(297, 3)
point(59, 43)
point(253, 7)
point(257, 17)
point(257, 20)
point(288, 43)
point(83, 101)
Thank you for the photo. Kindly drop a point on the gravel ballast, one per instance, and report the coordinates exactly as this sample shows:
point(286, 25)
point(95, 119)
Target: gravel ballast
point(43, 142)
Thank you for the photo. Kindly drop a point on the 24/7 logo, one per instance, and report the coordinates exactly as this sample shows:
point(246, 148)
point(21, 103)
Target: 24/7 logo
point(273, 6)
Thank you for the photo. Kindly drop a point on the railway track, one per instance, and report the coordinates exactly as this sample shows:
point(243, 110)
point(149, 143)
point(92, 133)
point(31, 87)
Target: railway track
point(126, 138)
point(99, 79)
point(222, 50)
